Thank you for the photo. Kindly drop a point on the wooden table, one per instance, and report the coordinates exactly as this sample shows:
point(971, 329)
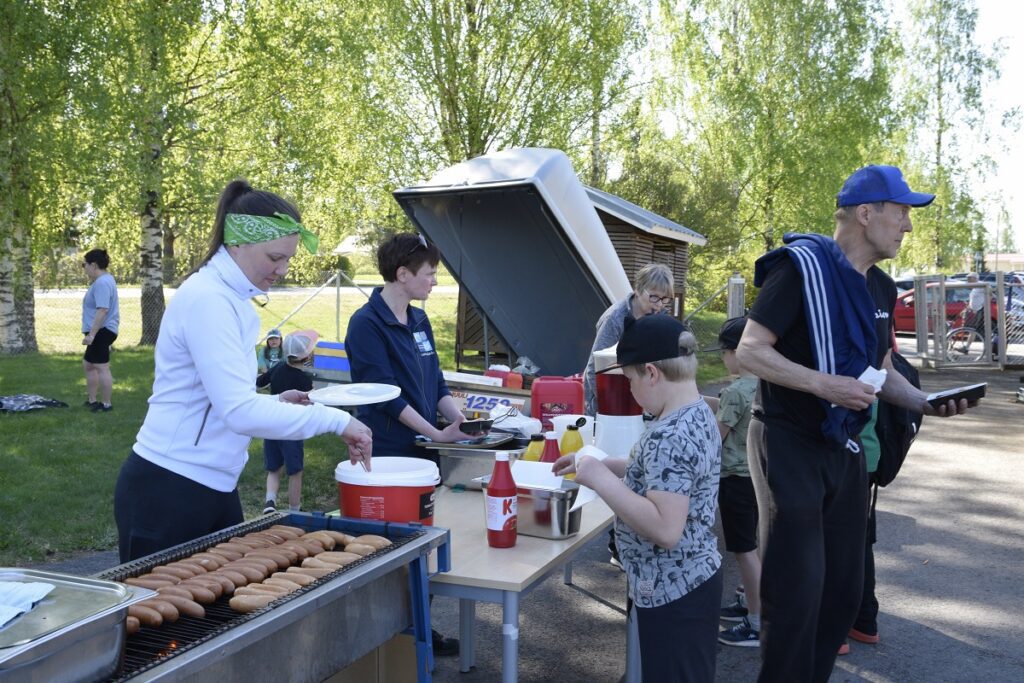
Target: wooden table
point(501, 575)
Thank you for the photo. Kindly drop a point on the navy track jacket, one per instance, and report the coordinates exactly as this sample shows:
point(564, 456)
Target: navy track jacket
point(381, 349)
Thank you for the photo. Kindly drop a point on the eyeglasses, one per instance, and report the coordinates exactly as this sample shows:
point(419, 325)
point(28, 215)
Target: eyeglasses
point(655, 299)
point(421, 244)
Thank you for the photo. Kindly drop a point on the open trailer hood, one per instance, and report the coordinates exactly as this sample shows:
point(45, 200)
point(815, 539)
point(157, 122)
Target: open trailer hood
point(521, 236)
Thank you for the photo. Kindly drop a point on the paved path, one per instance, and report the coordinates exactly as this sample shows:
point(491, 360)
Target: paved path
point(949, 558)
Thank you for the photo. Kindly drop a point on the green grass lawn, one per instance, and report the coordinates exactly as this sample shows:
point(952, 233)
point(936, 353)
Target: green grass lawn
point(58, 466)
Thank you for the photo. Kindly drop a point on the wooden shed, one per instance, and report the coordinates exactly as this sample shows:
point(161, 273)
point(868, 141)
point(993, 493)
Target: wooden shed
point(639, 237)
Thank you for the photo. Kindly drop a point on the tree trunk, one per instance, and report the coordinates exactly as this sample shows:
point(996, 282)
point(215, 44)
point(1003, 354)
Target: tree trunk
point(150, 247)
point(17, 303)
point(168, 255)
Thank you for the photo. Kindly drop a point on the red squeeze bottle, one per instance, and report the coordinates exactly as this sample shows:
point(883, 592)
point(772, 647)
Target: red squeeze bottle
point(551, 451)
point(502, 504)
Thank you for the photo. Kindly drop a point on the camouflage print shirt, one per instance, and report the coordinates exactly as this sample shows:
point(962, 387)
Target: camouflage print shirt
point(680, 453)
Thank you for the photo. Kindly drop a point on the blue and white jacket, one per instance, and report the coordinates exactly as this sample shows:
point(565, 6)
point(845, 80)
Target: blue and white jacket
point(840, 319)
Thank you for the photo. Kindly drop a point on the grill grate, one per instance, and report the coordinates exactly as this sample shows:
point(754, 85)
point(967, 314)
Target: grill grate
point(150, 647)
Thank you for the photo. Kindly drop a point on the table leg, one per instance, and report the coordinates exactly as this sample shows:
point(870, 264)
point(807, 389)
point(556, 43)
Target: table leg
point(510, 637)
point(567, 574)
point(467, 644)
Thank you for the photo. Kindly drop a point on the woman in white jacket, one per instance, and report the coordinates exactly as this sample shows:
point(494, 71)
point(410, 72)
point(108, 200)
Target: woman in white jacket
point(180, 481)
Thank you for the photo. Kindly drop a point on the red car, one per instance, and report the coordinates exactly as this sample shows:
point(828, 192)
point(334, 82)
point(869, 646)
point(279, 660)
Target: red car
point(956, 302)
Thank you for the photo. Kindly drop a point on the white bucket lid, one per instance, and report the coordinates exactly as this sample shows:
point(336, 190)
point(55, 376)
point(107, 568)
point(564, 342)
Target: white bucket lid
point(389, 471)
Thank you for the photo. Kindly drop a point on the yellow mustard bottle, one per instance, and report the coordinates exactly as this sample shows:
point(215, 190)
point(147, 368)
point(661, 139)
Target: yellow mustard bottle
point(535, 448)
point(571, 442)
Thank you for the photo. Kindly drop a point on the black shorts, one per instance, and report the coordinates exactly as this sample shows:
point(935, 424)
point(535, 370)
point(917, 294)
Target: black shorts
point(98, 352)
point(287, 454)
point(738, 504)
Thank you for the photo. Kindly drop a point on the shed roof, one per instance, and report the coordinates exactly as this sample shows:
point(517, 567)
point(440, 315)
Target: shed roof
point(641, 218)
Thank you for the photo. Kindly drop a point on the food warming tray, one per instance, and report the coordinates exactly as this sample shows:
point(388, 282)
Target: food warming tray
point(546, 512)
point(75, 633)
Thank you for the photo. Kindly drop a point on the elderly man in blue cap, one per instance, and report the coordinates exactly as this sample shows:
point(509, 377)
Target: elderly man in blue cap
point(820, 330)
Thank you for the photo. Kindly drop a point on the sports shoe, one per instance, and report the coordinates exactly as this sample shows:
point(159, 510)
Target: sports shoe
point(269, 508)
point(734, 612)
point(444, 647)
point(91, 404)
point(861, 637)
point(98, 407)
point(616, 562)
point(740, 635)
point(844, 649)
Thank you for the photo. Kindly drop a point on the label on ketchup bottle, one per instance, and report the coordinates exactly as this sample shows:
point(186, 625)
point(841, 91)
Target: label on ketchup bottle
point(502, 513)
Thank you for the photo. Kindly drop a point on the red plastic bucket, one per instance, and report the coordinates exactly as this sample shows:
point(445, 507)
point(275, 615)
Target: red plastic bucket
point(396, 490)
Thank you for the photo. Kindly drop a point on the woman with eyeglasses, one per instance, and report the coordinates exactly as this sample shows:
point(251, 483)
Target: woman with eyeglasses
point(652, 293)
point(181, 479)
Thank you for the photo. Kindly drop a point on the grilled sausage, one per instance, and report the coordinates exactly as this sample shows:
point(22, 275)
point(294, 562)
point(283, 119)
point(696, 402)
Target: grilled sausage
point(251, 572)
point(189, 563)
point(239, 548)
point(131, 624)
point(227, 586)
point(319, 564)
point(372, 540)
point(233, 575)
point(147, 616)
point(339, 538)
point(200, 593)
point(290, 586)
point(360, 548)
point(315, 572)
point(256, 541)
point(301, 551)
point(298, 531)
point(209, 561)
point(272, 536)
point(251, 603)
point(228, 555)
point(338, 557)
point(270, 565)
point(176, 591)
point(256, 588)
point(176, 572)
point(283, 561)
point(186, 606)
point(168, 611)
point(288, 532)
point(206, 581)
point(325, 539)
point(300, 579)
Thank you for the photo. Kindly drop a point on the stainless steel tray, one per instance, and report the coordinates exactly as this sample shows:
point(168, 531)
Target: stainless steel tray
point(546, 512)
point(463, 468)
point(74, 634)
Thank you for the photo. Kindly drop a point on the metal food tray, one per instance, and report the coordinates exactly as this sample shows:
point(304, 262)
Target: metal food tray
point(463, 468)
point(75, 633)
point(545, 512)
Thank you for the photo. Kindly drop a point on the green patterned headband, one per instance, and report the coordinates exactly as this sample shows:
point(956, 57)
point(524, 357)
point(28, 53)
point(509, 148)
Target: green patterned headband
point(241, 228)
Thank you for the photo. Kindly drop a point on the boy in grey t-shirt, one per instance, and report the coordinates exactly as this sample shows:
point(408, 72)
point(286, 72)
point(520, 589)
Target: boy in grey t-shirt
point(101, 316)
point(664, 498)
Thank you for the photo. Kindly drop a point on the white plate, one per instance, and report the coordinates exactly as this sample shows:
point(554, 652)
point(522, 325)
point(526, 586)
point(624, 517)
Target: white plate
point(362, 394)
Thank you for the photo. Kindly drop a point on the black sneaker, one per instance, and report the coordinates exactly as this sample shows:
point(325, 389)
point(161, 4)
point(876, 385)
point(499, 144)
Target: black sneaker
point(101, 407)
point(269, 508)
point(444, 647)
point(91, 404)
point(740, 635)
point(734, 612)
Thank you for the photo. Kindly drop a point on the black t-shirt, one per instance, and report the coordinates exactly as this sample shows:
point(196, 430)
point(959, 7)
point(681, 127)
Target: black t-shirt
point(283, 377)
point(780, 308)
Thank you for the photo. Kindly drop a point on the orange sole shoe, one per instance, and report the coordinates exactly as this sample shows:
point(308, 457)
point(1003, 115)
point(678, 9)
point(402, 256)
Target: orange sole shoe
point(861, 637)
point(844, 649)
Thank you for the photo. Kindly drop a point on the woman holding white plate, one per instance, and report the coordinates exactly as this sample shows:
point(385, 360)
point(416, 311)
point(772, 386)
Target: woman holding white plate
point(180, 481)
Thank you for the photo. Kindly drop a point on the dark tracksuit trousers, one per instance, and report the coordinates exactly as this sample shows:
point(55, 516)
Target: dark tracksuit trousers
point(813, 570)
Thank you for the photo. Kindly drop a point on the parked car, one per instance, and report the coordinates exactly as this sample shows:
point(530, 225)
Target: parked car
point(956, 302)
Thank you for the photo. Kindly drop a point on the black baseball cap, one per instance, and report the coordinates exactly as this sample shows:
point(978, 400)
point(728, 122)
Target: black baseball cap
point(729, 335)
point(648, 340)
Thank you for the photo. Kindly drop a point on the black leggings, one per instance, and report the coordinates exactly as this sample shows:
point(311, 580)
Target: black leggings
point(155, 509)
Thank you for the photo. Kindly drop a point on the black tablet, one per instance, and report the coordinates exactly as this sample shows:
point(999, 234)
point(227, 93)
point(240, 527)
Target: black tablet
point(972, 392)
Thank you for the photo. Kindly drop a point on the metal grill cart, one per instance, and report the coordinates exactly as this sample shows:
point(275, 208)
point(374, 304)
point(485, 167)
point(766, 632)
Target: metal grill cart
point(307, 635)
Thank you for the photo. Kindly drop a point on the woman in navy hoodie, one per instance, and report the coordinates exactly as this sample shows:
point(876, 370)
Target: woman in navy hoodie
point(390, 341)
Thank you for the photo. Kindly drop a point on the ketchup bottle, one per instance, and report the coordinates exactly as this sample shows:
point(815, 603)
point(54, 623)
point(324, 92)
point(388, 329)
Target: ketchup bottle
point(551, 452)
point(502, 504)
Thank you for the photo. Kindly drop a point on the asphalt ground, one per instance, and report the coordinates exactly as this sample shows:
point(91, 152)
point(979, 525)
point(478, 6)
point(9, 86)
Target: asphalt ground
point(948, 560)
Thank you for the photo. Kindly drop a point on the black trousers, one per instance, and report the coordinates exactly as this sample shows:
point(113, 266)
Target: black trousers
point(678, 641)
point(813, 570)
point(867, 617)
point(155, 509)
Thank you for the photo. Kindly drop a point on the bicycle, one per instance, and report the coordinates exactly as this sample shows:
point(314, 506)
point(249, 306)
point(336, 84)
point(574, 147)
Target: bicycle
point(965, 345)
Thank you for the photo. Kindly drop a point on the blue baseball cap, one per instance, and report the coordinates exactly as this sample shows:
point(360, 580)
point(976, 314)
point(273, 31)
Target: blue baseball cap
point(880, 184)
